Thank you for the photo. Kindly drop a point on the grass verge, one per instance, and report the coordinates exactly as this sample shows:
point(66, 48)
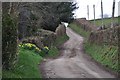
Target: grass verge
point(28, 61)
point(54, 50)
point(26, 67)
point(59, 41)
point(79, 30)
point(106, 55)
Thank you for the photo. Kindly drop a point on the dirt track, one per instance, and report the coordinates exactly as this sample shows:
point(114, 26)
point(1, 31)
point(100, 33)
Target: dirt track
point(73, 63)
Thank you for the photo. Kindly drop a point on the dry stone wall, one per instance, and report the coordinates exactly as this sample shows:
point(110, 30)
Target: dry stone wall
point(107, 36)
point(61, 30)
point(86, 25)
point(45, 37)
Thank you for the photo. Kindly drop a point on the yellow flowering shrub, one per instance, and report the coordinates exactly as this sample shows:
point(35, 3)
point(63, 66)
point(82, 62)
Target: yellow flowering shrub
point(42, 52)
point(30, 47)
point(46, 47)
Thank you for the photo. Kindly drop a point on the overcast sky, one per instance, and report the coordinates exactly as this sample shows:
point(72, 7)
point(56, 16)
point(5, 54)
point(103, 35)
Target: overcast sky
point(107, 8)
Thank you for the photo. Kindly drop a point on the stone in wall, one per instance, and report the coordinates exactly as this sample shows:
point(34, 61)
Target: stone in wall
point(61, 30)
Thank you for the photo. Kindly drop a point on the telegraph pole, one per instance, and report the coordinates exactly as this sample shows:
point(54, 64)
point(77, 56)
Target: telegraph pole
point(102, 13)
point(88, 11)
point(94, 13)
point(113, 11)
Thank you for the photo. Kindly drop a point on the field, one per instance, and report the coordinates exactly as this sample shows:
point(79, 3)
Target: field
point(106, 21)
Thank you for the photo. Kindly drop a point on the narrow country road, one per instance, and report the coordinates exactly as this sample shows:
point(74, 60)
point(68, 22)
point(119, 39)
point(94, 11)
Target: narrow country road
point(73, 63)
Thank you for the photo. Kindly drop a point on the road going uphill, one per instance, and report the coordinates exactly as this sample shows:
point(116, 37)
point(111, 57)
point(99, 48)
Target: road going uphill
point(73, 63)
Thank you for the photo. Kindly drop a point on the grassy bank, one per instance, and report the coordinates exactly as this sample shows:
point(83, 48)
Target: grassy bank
point(79, 30)
point(106, 55)
point(28, 61)
point(26, 67)
point(59, 41)
point(54, 51)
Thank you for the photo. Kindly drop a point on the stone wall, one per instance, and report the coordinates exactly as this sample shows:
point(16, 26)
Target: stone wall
point(86, 25)
point(45, 37)
point(107, 36)
point(61, 30)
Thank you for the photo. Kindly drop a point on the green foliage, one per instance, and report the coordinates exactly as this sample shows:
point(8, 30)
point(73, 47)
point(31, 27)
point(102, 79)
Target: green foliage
point(119, 20)
point(47, 15)
point(30, 46)
point(58, 12)
point(53, 52)
point(26, 67)
point(0, 72)
point(106, 55)
point(79, 30)
point(44, 52)
point(9, 42)
point(28, 60)
point(60, 40)
point(54, 49)
point(65, 11)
